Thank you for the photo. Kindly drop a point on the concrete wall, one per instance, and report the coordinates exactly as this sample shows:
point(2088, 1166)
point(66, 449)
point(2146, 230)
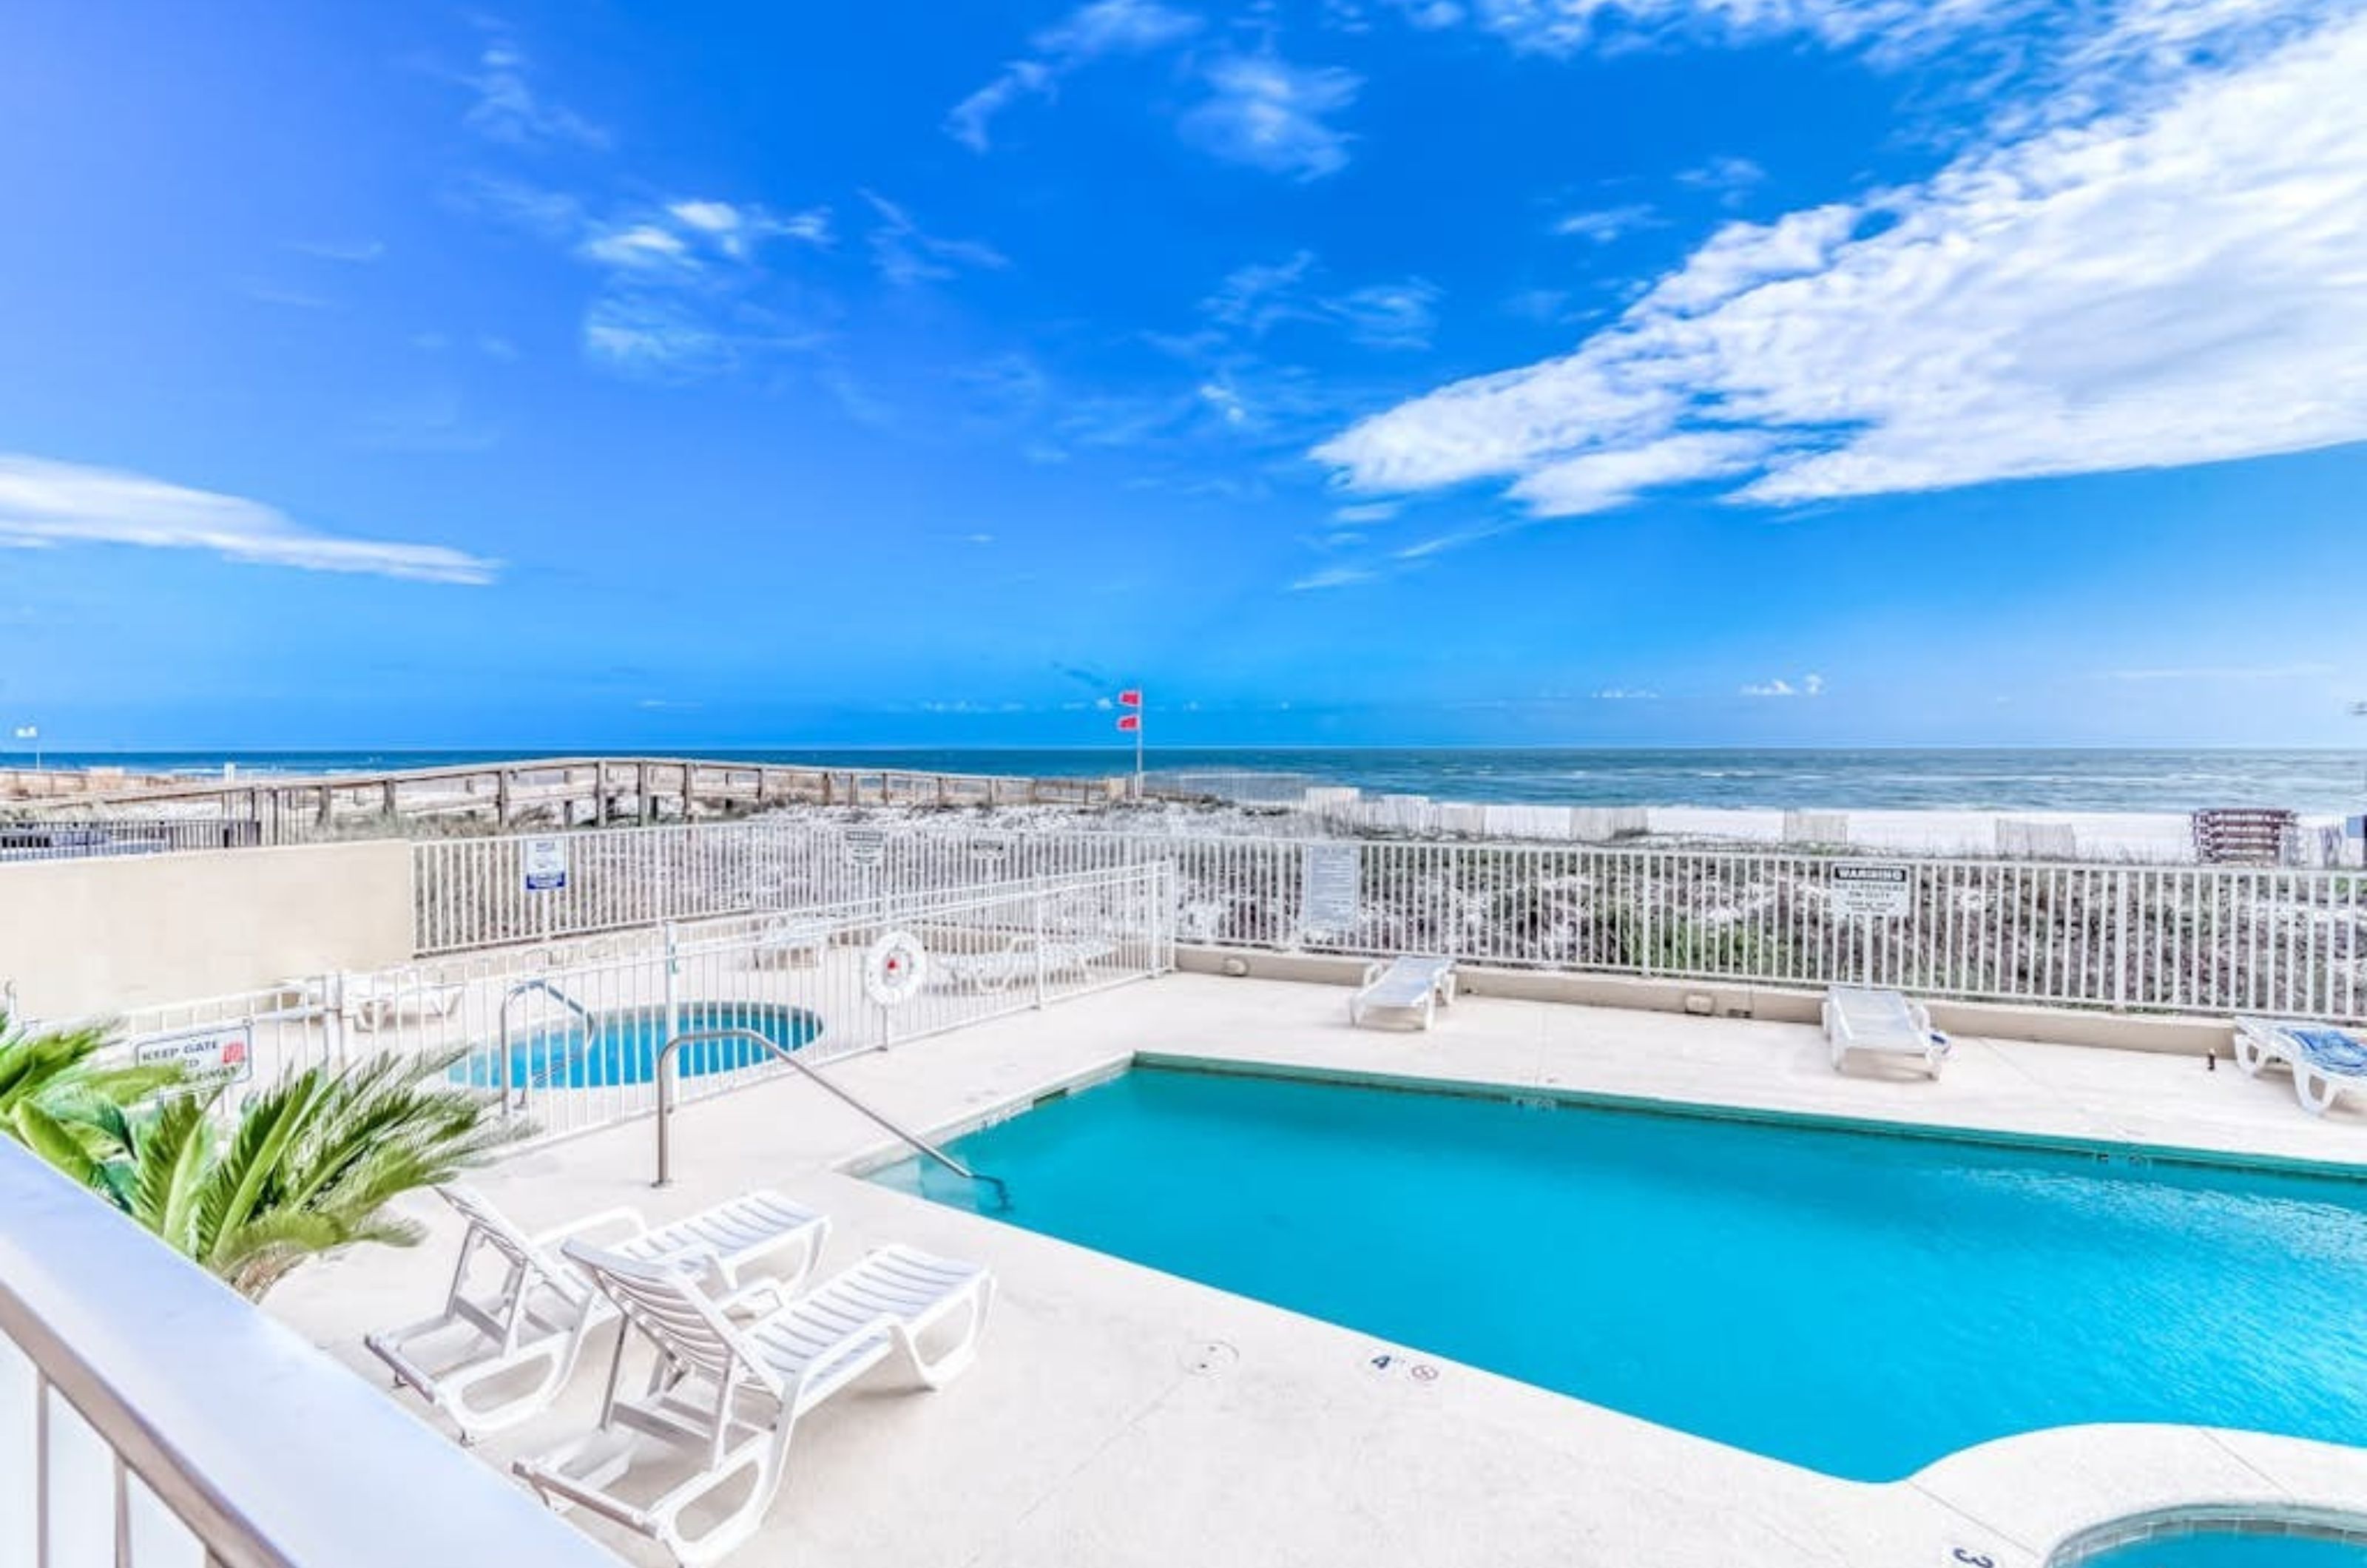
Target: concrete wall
point(2061, 1026)
point(110, 934)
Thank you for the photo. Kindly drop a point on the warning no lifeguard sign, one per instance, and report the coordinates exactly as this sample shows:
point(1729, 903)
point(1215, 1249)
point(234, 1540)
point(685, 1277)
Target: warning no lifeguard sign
point(1865, 891)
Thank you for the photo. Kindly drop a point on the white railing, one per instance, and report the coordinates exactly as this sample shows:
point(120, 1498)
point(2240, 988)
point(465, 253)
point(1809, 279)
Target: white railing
point(572, 1028)
point(2188, 938)
point(150, 1418)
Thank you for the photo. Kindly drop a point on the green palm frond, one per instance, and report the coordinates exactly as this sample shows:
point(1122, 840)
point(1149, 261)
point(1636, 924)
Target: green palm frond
point(61, 1100)
point(305, 1167)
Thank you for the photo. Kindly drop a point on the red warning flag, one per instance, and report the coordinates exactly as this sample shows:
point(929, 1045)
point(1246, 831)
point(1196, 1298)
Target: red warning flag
point(1130, 721)
point(1130, 698)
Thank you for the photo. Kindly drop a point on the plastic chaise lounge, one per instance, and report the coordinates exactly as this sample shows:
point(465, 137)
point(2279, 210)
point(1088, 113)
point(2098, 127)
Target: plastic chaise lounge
point(1003, 967)
point(1881, 1022)
point(729, 1393)
point(2324, 1060)
point(1407, 987)
point(511, 1344)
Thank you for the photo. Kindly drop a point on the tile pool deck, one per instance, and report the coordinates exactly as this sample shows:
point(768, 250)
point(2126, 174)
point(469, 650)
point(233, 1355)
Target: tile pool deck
point(1119, 1415)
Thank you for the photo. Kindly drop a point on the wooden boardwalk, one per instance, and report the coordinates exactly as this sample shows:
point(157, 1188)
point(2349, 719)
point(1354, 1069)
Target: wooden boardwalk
point(562, 792)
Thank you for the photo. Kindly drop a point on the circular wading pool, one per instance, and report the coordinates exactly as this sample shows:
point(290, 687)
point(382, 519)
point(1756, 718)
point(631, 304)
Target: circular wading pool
point(2215, 1538)
point(622, 1047)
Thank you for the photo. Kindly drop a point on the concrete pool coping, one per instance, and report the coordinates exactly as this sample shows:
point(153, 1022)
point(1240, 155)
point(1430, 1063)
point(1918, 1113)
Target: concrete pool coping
point(895, 1152)
point(1121, 1415)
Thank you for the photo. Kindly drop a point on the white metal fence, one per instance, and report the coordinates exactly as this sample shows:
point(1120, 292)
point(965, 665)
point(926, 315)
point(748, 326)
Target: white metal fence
point(2193, 938)
point(150, 1418)
point(570, 1030)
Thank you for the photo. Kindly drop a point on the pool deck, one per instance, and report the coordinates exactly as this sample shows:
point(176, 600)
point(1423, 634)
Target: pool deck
point(1119, 1415)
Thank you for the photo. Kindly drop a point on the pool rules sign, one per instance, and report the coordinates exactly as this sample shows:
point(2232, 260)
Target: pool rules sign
point(546, 866)
point(1863, 890)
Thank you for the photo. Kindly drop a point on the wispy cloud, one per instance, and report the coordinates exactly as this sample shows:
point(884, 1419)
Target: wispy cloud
point(45, 504)
point(1086, 34)
point(1259, 296)
point(1626, 695)
point(1333, 577)
point(1264, 111)
point(349, 252)
point(1605, 224)
point(1726, 175)
point(508, 109)
point(907, 255)
point(2159, 286)
point(1809, 686)
point(677, 278)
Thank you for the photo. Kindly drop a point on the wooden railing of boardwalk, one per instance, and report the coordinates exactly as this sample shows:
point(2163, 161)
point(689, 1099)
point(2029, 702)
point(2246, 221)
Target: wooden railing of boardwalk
point(568, 792)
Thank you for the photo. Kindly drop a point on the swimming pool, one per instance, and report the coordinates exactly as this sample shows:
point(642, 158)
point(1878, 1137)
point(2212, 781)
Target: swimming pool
point(1856, 1303)
point(2230, 1546)
point(624, 1047)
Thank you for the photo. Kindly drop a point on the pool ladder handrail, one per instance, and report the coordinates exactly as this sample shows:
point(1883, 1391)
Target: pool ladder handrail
point(591, 1032)
point(666, 1106)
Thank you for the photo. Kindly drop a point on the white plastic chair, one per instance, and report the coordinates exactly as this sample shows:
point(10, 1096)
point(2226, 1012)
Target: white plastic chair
point(731, 1394)
point(517, 1343)
point(1409, 984)
point(1881, 1022)
point(2324, 1060)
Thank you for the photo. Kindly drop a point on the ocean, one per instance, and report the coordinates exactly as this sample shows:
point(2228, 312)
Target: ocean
point(2333, 782)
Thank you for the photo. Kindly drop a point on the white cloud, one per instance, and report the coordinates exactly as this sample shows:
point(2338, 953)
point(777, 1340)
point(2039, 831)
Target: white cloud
point(2176, 285)
point(1332, 577)
point(1602, 482)
point(45, 504)
point(1261, 296)
point(1366, 511)
point(1809, 686)
point(1086, 34)
point(1271, 114)
point(690, 233)
point(737, 231)
point(1726, 174)
point(906, 253)
point(1605, 224)
point(1626, 695)
point(510, 110)
point(637, 245)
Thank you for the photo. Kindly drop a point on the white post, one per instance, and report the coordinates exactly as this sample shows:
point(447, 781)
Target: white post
point(1039, 949)
point(673, 986)
point(1139, 707)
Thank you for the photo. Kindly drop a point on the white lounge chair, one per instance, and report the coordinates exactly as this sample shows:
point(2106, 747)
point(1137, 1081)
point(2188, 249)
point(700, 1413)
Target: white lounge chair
point(1014, 962)
point(731, 1394)
point(2324, 1060)
point(1881, 1022)
point(514, 1345)
point(787, 942)
point(375, 1002)
point(1412, 985)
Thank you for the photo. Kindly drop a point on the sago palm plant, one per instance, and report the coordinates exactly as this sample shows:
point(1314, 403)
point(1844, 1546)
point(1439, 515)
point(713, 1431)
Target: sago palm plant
point(59, 1101)
point(308, 1166)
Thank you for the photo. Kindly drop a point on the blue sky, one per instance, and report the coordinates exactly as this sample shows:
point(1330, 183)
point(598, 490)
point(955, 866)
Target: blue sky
point(1447, 371)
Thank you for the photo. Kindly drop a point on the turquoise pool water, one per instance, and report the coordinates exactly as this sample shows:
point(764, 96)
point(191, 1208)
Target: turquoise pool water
point(1856, 1303)
point(2228, 1547)
point(624, 1048)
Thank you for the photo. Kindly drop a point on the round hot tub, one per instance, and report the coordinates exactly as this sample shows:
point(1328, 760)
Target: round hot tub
point(2220, 1538)
point(622, 1047)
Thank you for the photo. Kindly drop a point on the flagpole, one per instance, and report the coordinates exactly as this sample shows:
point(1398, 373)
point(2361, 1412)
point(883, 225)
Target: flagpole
point(1138, 746)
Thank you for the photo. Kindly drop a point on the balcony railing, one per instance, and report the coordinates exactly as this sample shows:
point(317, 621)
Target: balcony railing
point(151, 1418)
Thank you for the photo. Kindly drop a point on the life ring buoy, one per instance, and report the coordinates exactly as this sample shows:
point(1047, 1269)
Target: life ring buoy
point(895, 968)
